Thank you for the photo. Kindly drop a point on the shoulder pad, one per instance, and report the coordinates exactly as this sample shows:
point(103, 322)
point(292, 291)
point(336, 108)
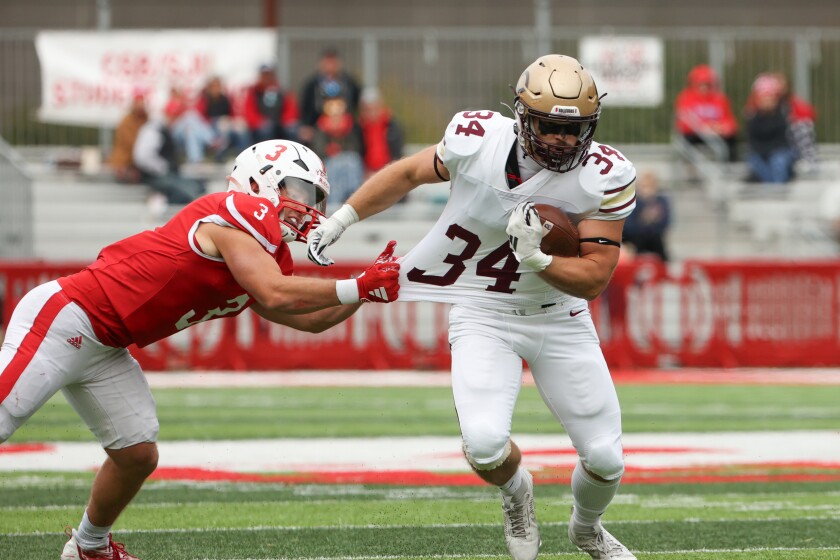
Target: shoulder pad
point(255, 216)
point(467, 132)
point(607, 174)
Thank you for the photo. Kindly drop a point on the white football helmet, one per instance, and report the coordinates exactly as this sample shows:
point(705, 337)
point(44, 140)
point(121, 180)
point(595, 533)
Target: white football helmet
point(291, 177)
point(556, 95)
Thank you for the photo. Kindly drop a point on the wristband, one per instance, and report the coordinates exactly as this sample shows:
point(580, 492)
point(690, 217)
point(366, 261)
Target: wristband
point(347, 291)
point(537, 262)
point(346, 216)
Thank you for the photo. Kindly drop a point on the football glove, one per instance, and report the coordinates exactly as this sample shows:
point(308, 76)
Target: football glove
point(380, 283)
point(525, 233)
point(328, 233)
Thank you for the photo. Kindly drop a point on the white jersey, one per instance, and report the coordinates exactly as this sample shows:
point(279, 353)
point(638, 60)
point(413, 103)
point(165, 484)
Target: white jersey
point(465, 258)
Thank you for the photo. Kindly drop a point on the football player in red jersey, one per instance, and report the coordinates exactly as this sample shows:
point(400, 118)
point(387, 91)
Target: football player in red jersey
point(219, 255)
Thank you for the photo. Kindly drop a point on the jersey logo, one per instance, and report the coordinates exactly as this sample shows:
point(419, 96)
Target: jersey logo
point(238, 304)
point(576, 313)
point(76, 342)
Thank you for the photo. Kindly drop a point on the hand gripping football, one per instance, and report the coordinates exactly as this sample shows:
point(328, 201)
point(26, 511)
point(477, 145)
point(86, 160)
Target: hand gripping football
point(562, 239)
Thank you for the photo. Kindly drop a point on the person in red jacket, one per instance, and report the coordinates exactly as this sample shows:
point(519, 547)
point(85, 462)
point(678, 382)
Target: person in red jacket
point(382, 134)
point(271, 111)
point(703, 111)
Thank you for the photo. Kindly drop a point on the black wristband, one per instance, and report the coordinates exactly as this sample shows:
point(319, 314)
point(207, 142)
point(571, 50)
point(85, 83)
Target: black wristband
point(600, 241)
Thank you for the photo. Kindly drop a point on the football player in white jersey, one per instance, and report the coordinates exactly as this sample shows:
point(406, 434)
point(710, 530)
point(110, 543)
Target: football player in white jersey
point(510, 300)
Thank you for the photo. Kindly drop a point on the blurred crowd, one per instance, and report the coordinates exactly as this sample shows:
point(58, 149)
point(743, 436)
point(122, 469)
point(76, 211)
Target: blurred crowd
point(353, 130)
point(350, 128)
point(778, 126)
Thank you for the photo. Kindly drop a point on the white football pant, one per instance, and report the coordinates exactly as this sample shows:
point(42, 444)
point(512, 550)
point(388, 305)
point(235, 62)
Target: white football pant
point(50, 346)
point(569, 369)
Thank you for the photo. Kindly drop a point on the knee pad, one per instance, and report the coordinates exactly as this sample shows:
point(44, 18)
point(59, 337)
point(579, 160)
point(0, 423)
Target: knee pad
point(483, 452)
point(604, 457)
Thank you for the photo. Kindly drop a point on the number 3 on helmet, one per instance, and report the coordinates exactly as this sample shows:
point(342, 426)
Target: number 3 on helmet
point(291, 177)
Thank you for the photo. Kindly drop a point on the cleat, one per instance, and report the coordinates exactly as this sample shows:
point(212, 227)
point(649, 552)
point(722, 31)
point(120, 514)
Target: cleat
point(114, 550)
point(522, 534)
point(600, 545)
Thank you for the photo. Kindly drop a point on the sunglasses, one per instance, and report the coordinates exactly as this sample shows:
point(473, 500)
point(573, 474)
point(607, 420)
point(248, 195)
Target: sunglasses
point(562, 129)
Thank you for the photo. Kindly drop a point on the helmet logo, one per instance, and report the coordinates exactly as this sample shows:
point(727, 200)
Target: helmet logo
point(300, 161)
point(564, 110)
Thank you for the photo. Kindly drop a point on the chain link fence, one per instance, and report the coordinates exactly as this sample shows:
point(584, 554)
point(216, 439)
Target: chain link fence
point(426, 75)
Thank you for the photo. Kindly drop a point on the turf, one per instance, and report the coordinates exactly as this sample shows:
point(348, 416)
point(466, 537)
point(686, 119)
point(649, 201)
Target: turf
point(184, 521)
point(215, 521)
point(393, 411)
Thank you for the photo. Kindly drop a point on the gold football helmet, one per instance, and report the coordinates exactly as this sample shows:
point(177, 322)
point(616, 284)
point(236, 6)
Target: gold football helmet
point(556, 96)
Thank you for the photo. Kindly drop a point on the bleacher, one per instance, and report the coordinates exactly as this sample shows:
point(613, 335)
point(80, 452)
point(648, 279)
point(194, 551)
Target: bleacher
point(76, 213)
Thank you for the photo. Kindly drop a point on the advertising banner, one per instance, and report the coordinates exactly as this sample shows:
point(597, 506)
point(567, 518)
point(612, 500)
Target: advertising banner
point(710, 314)
point(89, 78)
point(629, 69)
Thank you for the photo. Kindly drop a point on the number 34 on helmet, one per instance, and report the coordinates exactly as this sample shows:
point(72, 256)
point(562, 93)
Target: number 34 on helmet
point(289, 175)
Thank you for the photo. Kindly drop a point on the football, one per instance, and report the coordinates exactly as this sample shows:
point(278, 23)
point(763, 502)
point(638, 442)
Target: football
point(562, 239)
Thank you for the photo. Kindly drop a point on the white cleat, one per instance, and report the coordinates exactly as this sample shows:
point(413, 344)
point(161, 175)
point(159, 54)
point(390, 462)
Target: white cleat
point(600, 546)
point(114, 550)
point(522, 534)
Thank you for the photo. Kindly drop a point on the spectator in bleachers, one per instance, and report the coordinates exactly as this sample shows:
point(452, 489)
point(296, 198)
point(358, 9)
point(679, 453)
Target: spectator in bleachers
point(646, 228)
point(230, 129)
point(338, 140)
point(802, 117)
point(382, 134)
point(157, 158)
point(771, 154)
point(330, 80)
point(270, 111)
point(121, 159)
point(703, 111)
point(189, 129)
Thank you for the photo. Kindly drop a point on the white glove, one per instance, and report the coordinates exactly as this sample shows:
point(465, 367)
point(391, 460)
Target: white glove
point(328, 233)
point(525, 233)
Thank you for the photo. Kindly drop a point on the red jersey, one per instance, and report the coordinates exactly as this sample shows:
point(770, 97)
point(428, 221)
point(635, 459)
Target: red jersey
point(158, 282)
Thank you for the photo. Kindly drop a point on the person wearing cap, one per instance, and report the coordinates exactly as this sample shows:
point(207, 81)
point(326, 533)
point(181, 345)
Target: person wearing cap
point(703, 110)
point(771, 154)
point(329, 81)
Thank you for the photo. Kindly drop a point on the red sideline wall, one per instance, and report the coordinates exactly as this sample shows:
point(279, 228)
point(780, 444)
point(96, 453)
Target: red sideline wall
point(710, 314)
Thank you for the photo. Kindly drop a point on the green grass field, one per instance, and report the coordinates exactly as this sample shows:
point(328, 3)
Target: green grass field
point(199, 520)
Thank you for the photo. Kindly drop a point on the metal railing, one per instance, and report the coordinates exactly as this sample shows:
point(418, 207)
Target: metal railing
point(427, 75)
point(16, 239)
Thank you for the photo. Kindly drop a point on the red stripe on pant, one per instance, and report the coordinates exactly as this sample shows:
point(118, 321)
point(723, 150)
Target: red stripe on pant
point(31, 342)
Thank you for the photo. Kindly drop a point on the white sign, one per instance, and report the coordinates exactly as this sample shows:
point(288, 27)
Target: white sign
point(90, 78)
point(629, 69)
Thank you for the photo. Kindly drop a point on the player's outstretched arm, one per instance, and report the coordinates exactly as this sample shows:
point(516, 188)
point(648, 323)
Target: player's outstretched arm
point(319, 321)
point(378, 193)
point(315, 322)
point(258, 274)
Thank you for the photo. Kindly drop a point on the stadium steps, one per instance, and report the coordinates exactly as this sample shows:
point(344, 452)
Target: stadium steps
point(75, 218)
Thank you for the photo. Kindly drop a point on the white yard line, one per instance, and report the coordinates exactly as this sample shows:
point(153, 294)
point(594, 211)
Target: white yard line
point(344, 527)
point(403, 378)
point(442, 454)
